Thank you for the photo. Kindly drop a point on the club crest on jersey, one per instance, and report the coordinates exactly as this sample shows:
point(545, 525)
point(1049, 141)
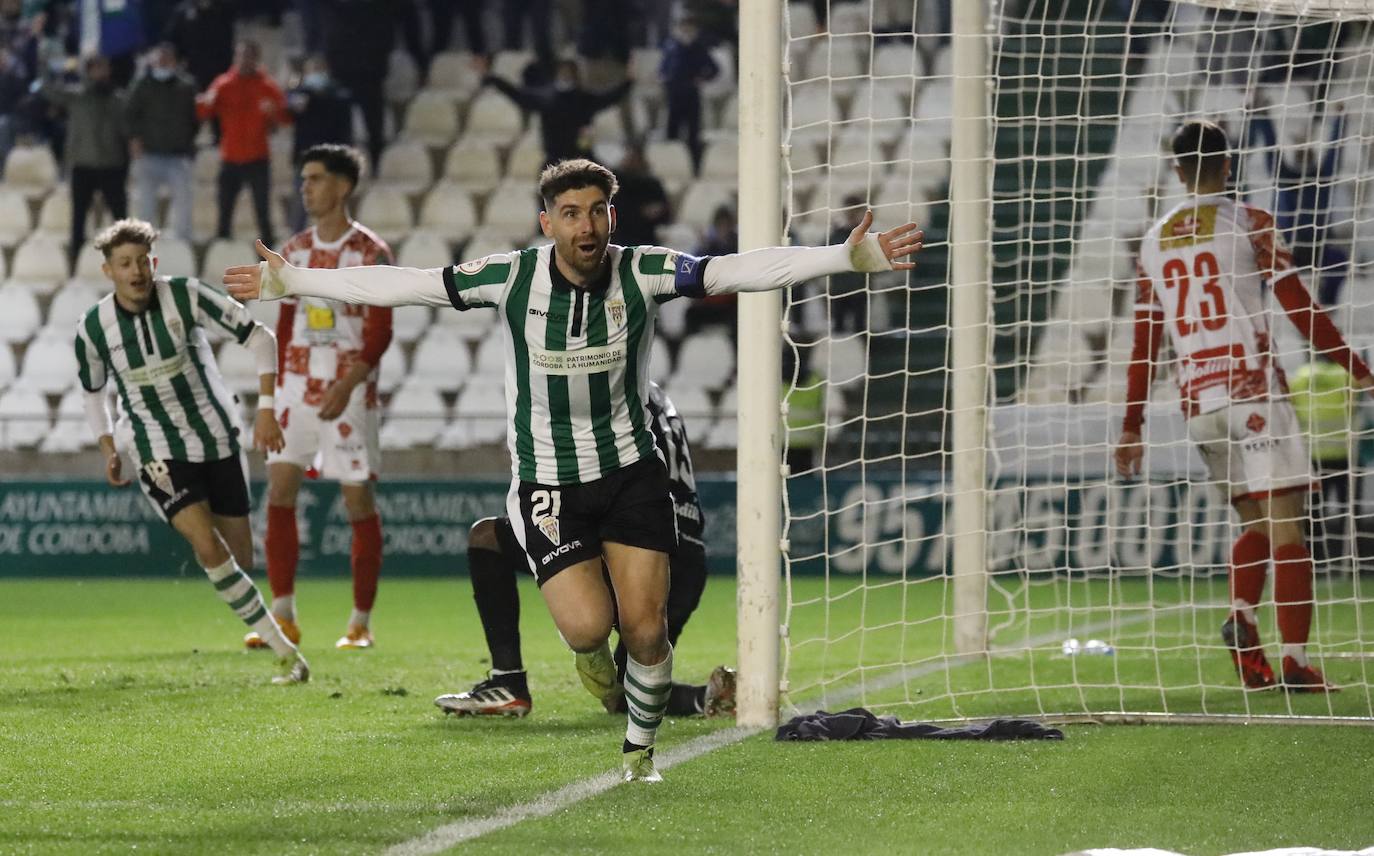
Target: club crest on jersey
point(549, 526)
point(174, 327)
point(1255, 423)
point(472, 267)
point(159, 475)
point(617, 309)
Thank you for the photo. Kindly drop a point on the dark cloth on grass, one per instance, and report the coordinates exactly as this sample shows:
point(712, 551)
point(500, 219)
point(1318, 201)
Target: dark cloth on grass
point(861, 724)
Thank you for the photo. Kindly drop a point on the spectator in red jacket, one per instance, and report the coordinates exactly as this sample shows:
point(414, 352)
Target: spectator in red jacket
point(249, 105)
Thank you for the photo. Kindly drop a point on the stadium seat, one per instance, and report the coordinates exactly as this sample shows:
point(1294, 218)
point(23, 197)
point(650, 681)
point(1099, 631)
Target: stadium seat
point(721, 162)
point(481, 407)
point(527, 157)
point(942, 62)
point(896, 202)
point(692, 402)
point(609, 125)
point(431, 119)
point(69, 305)
point(473, 164)
point(448, 211)
point(928, 158)
point(813, 103)
point(24, 419)
point(470, 326)
point(19, 316)
point(511, 64)
point(934, 107)
point(883, 109)
point(387, 212)
point(843, 360)
point(728, 403)
point(394, 369)
point(281, 164)
point(491, 356)
point(15, 222)
point(415, 416)
point(69, 431)
point(402, 78)
point(705, 361)
point(205, 169)
point(679, 236)
point(405, 166)
point(493, 119)
point(451, 74)
point(31, 171)
point(441, 360)
point(700, 202)
point(8, 370)
point(424, 249)
point(801, 20)
point(660, 359)
point(512, 209)
point(40, 264)
point(49, 363)
point(456, 437)
point(223, 253)
point(174, 257)
point(238, 366)
point(486, 242)
point(670, 162)
point(89, 264)
point(408, 323)
point(55, 215)
point(850, 18)
point(723, 435)
point(898, 59)
point(840, 61)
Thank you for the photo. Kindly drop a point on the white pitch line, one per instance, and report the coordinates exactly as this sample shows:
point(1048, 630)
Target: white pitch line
point(450, 834)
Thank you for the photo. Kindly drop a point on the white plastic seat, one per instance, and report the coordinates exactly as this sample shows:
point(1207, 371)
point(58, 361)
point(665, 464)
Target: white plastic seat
point(669, 161)
point(69, 305)
point(451, 73)
point(473, 164)
point(470, 325)
point(426, 250)
point(19, 316)
point(845, 360)
point(441, 360)
point(812, 103)
point(511, 64)
point(481, 408)
point(31, 170)
point(386, 211)
point(692, 403)
point(526, 157)
point(24, 419)
point(679, 236)
point(405, 166)
point(493, 118)
point(174, 257)
point(431, 118)
point(393, 371)
point(511, 209)
point(69, 431)
point(448, 211)
point(205, 167)
point(40, 264)
point(801, 19)
point(49, 364)
point(486, 242)
point(238, 366)
point(490, 361)
point(705, 361)
point(89, 264)
point(55, 214)
point(15, 222)
point(223, 253)
point(402, 78)
point(721, 162)
point(896, 59)
point(408, 323)
point(8, 370)
point(415, 416)
point(723, 435)
point(700, 202)
point(660, 359)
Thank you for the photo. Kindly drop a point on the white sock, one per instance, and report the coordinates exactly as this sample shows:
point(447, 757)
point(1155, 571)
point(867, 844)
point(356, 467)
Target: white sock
point(359, 618)
point(646, 693)
point(236, 589)
point(1245, 609)
point(1297, 652)
point(495, 672)
point(284, 606)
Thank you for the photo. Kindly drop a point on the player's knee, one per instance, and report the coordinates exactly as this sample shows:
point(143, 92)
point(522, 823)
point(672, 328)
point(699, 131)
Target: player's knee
point(585, 638)
point(1285, 532)
point(281, 495)
point(482, 536)
point(359, 502)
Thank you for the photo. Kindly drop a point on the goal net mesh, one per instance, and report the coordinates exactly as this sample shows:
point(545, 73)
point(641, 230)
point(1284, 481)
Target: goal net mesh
point(1102, 594)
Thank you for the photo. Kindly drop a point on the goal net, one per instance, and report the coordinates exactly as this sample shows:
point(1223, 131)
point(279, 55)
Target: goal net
point(1094, 594)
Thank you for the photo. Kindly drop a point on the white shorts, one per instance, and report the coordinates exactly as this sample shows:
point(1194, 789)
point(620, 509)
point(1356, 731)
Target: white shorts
point(1254, 449)
point(345, 449)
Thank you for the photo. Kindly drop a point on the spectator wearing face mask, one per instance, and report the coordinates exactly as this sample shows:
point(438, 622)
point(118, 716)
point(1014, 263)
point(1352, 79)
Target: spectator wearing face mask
point(161, 117)
point(322, 110)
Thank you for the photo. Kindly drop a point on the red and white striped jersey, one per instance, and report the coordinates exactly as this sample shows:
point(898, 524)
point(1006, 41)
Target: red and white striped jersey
point(319, 340)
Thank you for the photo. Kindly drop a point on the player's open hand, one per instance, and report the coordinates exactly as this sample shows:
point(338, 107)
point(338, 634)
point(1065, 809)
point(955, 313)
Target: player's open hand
point(896, 244)
point(114, 468)
point(1129, 454)
point(335, 399)
point(267, 433)
point(246, 282)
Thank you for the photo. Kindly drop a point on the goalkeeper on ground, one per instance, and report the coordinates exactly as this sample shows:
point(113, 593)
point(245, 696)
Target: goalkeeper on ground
point(494, 562)
point(1203, 272)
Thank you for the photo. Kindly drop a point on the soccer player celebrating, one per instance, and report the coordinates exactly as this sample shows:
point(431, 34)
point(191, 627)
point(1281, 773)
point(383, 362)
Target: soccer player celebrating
point(149, 337)
point(328, 406)
point(494, 559)
point(1203, 270)
point(588, 486)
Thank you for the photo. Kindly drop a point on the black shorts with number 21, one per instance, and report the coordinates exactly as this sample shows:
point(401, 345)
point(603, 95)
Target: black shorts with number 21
point(560, 525)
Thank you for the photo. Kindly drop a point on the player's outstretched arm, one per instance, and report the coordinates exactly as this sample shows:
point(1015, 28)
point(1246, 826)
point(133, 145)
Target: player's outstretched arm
point(782, 267)
point(374, 285)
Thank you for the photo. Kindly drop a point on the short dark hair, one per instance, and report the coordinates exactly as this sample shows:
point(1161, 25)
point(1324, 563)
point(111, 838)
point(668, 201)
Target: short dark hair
point(337, 159)
point(575, 174)
point(1200, 149)
point(126, 231)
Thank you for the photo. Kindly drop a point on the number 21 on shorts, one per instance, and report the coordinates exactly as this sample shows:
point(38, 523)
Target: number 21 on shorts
point(544, 508)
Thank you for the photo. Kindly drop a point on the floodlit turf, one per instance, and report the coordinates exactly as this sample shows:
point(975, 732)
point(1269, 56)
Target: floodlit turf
point(129, 717)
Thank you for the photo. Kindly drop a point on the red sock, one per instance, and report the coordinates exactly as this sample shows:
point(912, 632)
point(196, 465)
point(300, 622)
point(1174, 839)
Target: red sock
point(366, 561)
point(1293, 592)
point(283, 545)
point(1249, 559)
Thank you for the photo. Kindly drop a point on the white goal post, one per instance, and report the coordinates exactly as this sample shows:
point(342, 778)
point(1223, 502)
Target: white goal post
point(949, 535)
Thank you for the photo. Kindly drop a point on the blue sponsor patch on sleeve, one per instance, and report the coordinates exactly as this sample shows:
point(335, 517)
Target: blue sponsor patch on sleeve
point(689, 275)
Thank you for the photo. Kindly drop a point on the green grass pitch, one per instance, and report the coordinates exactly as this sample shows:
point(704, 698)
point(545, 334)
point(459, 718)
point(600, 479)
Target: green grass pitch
point(130, 719)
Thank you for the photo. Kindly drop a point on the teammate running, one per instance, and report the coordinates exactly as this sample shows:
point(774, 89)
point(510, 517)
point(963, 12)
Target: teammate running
point(495, 559)
point(1203, 272)
point(588, 486)
point(328, 408)
point(149, 337)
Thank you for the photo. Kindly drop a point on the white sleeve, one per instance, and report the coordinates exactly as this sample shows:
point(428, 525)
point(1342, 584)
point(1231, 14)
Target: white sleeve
point(97, 413)
point(783, 267)
point(373, 285)
point(263, 345)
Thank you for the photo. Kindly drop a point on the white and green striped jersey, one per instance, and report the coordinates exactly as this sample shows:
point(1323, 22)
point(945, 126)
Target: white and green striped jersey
point(576, 358)
point(164, 370)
